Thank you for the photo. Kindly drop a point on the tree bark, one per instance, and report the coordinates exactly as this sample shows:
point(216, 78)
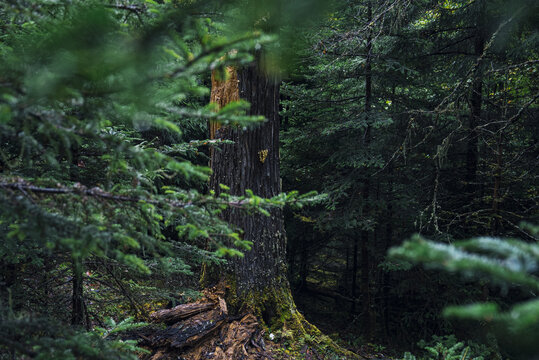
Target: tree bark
point(366, 304)
point(368, 314)
point(77, 301)
point(354, 275)
point(476, 101)
point(495, 226)
point(388, 241)
point(257, 280)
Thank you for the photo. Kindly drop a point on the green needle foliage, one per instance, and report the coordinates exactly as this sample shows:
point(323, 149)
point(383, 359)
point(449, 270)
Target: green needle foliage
point(509, 263)
point(412, 116)
point(104, 165)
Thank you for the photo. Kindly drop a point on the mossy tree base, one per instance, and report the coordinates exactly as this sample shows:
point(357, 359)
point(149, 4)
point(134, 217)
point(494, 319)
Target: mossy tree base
point(207, 329)
point(280, 319)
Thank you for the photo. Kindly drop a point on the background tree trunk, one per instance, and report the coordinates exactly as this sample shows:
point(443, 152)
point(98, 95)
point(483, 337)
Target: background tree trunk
point(476, 101)
point(368, 314)
point(77, 300)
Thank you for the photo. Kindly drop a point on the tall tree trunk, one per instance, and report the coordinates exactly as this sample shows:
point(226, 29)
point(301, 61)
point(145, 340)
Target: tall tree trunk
point(258, 280)
point(368, 318)
point(354, 275)
point(476, 101)
point(495, 227)
point(252, 162)
point(77, 300)
point(388, 241)
point(366, 305)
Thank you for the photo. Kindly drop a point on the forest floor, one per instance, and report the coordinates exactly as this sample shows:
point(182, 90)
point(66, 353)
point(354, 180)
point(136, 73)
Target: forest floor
point(204, 330)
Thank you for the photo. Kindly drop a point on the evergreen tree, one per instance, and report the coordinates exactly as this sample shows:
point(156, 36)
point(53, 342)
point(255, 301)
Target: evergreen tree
point(103, 165)
point(434, 150)
point(509, 263)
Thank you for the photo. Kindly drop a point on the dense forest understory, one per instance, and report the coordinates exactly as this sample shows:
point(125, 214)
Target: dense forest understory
point(240, 179)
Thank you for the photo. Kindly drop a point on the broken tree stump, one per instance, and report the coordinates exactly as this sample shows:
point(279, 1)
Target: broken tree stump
point(201, 330)
point(196, 322)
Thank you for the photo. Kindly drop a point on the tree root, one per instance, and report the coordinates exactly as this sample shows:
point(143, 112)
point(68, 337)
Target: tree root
point(205, 330)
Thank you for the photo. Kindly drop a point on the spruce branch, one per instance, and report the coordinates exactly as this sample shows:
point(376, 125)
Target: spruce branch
point(248, 202)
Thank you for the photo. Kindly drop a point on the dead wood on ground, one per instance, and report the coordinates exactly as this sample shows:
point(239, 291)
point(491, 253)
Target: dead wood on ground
point(202, 330)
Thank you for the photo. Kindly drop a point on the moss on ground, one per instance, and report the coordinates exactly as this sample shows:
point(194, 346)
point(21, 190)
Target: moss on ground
point(276, 311)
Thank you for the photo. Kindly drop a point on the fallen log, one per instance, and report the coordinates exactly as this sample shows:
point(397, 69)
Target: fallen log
point(190, 331)
point(197, 323)
point(201, 330)
point(181, 312)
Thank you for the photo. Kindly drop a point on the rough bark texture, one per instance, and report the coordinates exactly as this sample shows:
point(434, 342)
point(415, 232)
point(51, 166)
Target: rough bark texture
point(180, 312)
point(252, 162)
